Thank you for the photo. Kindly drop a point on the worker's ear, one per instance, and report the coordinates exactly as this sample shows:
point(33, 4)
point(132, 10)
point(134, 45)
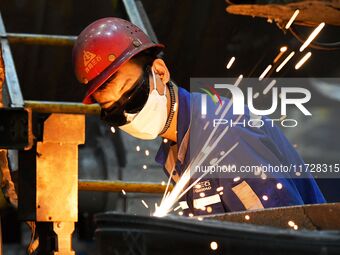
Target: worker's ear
point(160, 68)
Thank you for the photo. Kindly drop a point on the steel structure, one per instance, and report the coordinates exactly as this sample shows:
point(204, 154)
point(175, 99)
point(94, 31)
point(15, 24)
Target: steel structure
point(60, 140)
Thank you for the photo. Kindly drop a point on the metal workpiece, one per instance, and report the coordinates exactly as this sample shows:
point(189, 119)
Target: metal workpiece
point(120, 233)
point(312, 217)
point(57, 168)
point(62, 107)
point(118, 186)
point(64, 232)
point(57, 176)
point(39, 39)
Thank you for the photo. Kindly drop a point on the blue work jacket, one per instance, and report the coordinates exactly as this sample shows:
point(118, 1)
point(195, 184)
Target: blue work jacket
point(255, 146)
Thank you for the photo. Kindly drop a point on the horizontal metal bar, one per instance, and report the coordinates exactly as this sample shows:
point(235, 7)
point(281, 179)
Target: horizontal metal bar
point(118, 186)
point(62, 107)
point(39, 39)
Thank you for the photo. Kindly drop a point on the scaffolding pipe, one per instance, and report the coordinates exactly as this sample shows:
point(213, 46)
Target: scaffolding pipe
point(62, 107)
point(118, 186)
point(39, 39)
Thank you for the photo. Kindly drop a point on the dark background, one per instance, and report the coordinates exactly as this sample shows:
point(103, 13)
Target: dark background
point(200, 37)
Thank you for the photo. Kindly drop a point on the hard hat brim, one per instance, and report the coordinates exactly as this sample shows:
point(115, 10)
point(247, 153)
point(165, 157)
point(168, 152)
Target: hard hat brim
point(114, 66)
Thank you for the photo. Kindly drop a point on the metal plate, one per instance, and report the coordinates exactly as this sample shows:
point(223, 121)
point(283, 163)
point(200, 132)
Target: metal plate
point(57, 168)
point(135, 234)
point(313, 217)
point(57, 189)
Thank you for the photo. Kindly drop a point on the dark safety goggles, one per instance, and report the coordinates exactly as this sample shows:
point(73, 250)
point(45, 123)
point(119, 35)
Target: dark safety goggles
point(131, 101)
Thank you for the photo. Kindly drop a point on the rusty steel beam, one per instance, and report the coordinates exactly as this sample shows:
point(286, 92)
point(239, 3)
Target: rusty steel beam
point(313, 12)
point(39, 39)
point(118, 186)
point(12, 89)
point(62, 107)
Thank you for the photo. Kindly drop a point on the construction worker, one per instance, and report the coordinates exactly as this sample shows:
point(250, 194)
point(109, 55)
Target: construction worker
point(119, 65)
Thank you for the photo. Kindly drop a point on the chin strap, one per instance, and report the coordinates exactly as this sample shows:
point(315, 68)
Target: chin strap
point(172, 108)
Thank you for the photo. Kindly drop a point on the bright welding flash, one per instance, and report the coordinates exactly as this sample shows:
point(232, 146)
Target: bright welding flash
point(312, 36)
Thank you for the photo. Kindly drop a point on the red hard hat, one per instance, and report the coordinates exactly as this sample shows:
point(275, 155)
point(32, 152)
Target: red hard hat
point(102, 47)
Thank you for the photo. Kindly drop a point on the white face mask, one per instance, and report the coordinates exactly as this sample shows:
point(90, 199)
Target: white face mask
point(150, 121)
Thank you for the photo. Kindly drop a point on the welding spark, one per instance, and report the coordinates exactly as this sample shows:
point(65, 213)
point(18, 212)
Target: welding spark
point(284, 62)
point(219, 108)
point(256, 95)
point(219, 189)
point(167, 185)
point(172, 198)
point(165, 140)
point(177, 208)
point(312, 36)
point(303, 60)
point(137, 148)
point(168, 202)
point(180, 213)
point(265, 198)
point(265, 72)
point(283, 117)
point(176, 194)
point(113, 130)
point(247, 217)
point(206, 125)
point(236, 179)
point(231, 61)
point(279, 186)
point(269, 86)
point(145, 204)
point(283, 49)
point(199, 178)
point(213, 246)
point(291, 20)
point(239, 79)
point(291, 223)
point(124, 193)
point(145, 167)
point(147, 153)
